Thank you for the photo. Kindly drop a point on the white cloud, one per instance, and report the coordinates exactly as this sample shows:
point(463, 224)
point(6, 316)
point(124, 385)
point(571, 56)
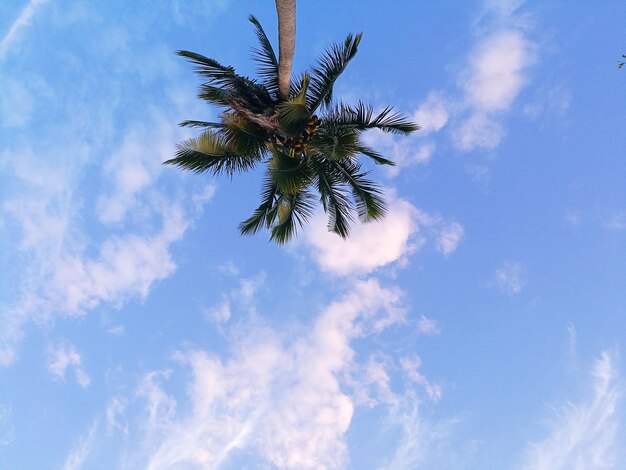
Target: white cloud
point(115, 409)
point(242, 298)
point(410, 366)
point(369, 246)
point(82, 450)
point(220, 313)
point(449, 238)
point(63, 356)
point(377, 244)
point(117, 330)
point(228, 268)
point(428, 326)
point(71, 266)
point(479, 131)
point(584, 436)
point(422, 443)
point(433, 114)
point(616, 222)
point(497, 74)
point(509, 279)
point(277, 395)
point(405, 151)
point(497, 71)
point(20, 23)
point(134, 167)
point(126, 266)
point(573, 218)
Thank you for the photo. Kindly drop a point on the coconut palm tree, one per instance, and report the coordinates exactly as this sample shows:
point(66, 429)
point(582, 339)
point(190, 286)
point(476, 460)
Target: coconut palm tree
point(309, 144)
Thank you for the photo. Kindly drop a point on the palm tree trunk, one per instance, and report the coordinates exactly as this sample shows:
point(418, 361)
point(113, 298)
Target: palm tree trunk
point(286, 10)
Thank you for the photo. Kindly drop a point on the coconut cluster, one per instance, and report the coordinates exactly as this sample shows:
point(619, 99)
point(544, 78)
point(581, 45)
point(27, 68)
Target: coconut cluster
point(302, 142)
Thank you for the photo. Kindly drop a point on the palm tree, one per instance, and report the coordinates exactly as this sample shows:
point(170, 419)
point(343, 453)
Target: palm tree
point(309, 145)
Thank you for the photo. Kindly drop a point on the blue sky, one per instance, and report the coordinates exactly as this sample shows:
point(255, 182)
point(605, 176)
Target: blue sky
point(480, 325)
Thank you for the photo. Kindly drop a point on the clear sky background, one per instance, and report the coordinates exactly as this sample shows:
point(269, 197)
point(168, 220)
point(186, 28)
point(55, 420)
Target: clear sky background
point(481, 325)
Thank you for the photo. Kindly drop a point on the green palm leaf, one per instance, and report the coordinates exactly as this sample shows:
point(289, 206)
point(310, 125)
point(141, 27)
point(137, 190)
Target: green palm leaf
point(263, 216)
point(242, 136)
point(291, 175)
point(334, 199)
point(243, 91)
point(210, 152)
point(367, 194)
point(202, 124)
point(335, 143)
point(374, 155)
point(266, 58)
point(293, 113)
point(215, 95)
point(293, 211)
point(362, 118)
point(330, 66)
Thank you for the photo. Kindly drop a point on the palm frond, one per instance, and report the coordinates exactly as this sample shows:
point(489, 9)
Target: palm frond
point(335, 142)
point(293, 113)
point(367, 194)
point(202, 124)
point(293, 211)
point(266, 58)
point(374, 155)
point(210, 152)
point(291, 175)
point(242, 136)
point(335, 201)
point(362, 118)
point(262, 215)
point(330, 66)
point(215, 95)
point(254, 96)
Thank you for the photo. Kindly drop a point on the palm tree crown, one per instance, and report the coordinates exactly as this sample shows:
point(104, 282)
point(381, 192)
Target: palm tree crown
point(308, 143)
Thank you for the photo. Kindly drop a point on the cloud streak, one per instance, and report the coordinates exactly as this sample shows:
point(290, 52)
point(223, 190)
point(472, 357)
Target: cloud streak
point(586, 435)
point(63, 356)
point(20, 23)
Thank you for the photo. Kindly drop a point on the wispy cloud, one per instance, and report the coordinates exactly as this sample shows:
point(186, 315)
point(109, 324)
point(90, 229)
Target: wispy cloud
point(82, 450)
point(410, 367)
point(77, 249)
point(509, 279)
point(423, 444)
point(242, 298)
point(286, 399)
point(62, 356)
point(74, 266)
point(7, 434)
point(449, 237)
point(616, 222)
point(428, 326)
point(20, 23)
point(586, 435)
